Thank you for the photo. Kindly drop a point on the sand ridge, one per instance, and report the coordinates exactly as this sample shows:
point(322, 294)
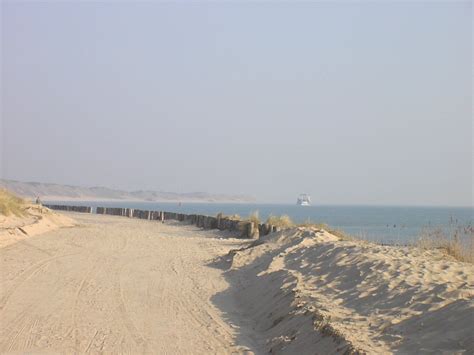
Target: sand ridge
point(359, 297)
point(35, 221)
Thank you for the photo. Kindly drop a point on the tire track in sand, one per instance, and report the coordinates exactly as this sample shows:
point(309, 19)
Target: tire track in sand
point(26, 275)
point(136, 335)
point(74, 329)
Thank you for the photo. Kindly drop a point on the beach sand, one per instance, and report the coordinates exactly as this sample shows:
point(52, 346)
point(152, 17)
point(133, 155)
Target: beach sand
point(309, 292)
point(37, 220)
point(113, 284)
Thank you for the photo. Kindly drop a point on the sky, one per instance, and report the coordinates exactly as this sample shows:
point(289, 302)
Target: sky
point(351, 102)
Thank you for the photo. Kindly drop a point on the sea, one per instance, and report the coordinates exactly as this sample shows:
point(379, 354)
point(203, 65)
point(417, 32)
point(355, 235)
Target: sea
point(381, 224)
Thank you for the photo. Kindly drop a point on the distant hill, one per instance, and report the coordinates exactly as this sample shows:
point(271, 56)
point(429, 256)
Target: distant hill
point(67, 192)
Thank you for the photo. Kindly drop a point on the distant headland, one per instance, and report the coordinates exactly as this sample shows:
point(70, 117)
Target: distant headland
point(58, 192)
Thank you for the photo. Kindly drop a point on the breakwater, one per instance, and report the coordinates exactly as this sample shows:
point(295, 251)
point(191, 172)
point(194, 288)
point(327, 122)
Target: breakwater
point(245, 228)
point(82, 209)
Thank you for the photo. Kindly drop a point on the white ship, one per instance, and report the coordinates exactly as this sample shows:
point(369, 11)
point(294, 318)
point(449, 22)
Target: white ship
point(303, 200)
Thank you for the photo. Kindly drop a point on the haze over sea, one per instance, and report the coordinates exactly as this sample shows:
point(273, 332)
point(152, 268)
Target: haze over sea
point(386, 224)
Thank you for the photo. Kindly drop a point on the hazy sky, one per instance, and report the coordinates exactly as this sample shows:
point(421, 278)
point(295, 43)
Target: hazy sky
point(358, 103)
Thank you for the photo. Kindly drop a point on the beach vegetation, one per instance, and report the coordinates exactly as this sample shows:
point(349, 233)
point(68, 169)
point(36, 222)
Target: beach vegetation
point(340, 234)
point(456, 240)
point(283, 221)
point(234, 217)
point(314, 225)
point(11, 204)
point(254, 218)
point(324, 226)
point(309, 224)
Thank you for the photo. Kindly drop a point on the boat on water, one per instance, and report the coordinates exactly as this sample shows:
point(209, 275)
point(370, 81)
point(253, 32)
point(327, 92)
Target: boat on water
point(304, 200)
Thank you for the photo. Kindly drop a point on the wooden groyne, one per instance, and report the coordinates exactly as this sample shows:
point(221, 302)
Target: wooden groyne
point(247, 229)
point(82, 209)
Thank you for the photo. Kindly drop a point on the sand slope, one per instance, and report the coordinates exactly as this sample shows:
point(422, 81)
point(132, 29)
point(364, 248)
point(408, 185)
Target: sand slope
point(115, 285)
point(37, 220)
point(308, 292)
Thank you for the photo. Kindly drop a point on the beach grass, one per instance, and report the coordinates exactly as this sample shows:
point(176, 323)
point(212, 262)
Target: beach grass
point(283, 221)
point(337, 232)
point(314, 225)
point(234, 217)
point(11, 204)
point(254, 218)
point(341, 234)
point(455, 240)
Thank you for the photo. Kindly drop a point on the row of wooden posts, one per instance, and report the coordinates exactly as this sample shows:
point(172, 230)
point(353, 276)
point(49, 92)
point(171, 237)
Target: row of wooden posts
point(246, 229)
point(82, 209)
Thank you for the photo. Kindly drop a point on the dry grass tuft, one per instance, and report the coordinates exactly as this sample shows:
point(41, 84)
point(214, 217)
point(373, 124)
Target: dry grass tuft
point(280, 221)
point(341, 234)
point(337, 232)
point(234, 217)
point(310, 224)
point(456, 240)
point(11, 204)
point(254, 218)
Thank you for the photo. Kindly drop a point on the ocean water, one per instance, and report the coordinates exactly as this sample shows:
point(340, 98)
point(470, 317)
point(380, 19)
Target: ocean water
point(386, 224)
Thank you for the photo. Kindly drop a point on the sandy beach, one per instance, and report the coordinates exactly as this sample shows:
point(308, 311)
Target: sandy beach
point(117, 285)
point(236, 177)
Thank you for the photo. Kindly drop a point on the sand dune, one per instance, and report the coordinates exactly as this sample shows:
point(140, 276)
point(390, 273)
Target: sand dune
point(119, 285)
point(367, 298)
point(37, 220)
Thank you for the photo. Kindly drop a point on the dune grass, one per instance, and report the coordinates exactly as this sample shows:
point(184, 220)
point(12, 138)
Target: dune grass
point(283, 221)
point(254, 218)
point(341, 234)
point(310, 224)
point(337, 232)
point(455, 240)
point(234, 217)
point(11, 204)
